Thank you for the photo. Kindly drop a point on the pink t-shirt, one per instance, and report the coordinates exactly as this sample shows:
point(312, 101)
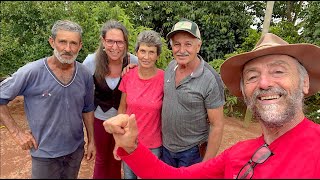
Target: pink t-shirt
point(144, 99)
point(296, 155)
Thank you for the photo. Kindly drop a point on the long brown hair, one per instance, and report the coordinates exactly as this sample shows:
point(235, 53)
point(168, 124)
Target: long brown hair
point(102, 61)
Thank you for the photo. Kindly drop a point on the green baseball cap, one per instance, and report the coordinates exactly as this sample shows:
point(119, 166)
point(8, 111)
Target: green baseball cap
point(187, 26)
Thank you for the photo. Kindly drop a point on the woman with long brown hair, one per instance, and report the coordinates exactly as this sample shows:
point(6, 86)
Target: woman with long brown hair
point(106, 65)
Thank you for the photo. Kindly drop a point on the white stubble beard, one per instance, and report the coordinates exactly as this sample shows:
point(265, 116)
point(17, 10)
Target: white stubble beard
point(276, 115)
point(62, 60)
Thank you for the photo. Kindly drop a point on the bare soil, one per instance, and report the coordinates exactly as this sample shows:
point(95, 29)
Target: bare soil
point(16, 163)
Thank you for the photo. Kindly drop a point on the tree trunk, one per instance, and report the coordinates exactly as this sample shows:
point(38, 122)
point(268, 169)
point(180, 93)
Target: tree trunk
point(267, 17)
point(289, 10)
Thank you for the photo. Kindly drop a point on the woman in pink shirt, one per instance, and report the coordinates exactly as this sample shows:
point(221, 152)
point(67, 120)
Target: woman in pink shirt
point(142, 93)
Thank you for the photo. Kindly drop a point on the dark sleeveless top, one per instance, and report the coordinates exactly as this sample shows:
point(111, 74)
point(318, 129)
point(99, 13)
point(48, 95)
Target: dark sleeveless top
point(105, 97)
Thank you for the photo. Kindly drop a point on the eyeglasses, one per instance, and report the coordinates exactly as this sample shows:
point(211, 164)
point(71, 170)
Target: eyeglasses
point(111, 42)
point(258, 157)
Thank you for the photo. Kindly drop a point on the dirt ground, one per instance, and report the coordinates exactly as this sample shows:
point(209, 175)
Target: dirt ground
point(16, 163)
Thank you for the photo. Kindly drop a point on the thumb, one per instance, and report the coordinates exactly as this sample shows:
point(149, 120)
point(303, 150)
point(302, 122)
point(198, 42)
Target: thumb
point(34, 143)
point(133, 124)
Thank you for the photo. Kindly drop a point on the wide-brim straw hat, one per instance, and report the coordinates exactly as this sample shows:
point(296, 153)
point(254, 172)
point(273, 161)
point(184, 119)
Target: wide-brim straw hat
point(307, 54)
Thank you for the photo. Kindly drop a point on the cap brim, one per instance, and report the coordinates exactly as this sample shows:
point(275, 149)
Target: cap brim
point(307, 54)
point(170, 34)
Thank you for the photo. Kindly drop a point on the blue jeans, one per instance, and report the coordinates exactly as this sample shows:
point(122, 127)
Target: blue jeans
point(64, 167)
point(128, 173)
point(184, 158)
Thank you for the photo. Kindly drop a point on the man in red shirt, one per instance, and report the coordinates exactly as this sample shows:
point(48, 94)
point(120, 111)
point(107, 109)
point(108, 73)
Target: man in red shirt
point(273, 79)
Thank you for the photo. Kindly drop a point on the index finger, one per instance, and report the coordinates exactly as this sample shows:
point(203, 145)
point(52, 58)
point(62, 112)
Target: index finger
point(35, 144)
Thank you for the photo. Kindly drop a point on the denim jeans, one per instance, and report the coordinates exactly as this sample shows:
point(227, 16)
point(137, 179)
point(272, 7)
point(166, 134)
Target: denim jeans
point(184, 158)
point(128, 174)
point(64, 167)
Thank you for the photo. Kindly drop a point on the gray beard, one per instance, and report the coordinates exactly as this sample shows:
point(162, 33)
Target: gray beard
point(64, 61)
point(275, 115)
point(271, 116)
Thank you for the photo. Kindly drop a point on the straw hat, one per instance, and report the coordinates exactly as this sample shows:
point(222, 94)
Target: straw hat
point(307, 54)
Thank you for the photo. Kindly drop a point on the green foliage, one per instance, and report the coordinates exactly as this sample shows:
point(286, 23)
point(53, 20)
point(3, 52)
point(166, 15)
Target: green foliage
point(290, 11)
point(223, 24)
point(311, 25)
point(24, 33)
point(231, 101)
point(26, 27)
point(249, 42)
point(165, 56)
point(312, 107)
point(216, 64)
point(230, 106)
point(287, 31)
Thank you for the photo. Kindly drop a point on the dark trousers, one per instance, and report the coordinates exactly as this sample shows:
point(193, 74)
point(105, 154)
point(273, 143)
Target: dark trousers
point(64, 167)
point(105, 167)
point(184, 158)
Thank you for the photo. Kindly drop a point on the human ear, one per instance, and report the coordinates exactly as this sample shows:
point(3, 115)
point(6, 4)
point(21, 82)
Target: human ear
point(306, 85)
point(199, 46)
point(51, 42)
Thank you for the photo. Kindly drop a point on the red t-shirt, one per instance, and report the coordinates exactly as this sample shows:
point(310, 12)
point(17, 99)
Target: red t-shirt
point(144, 99)
point(296, 155)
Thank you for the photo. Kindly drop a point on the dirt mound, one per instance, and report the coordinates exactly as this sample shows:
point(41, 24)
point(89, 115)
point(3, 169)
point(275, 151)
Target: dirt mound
point(16, 163)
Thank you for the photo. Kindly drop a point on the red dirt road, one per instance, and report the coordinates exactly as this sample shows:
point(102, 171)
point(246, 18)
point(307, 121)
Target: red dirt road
point(16, 163)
